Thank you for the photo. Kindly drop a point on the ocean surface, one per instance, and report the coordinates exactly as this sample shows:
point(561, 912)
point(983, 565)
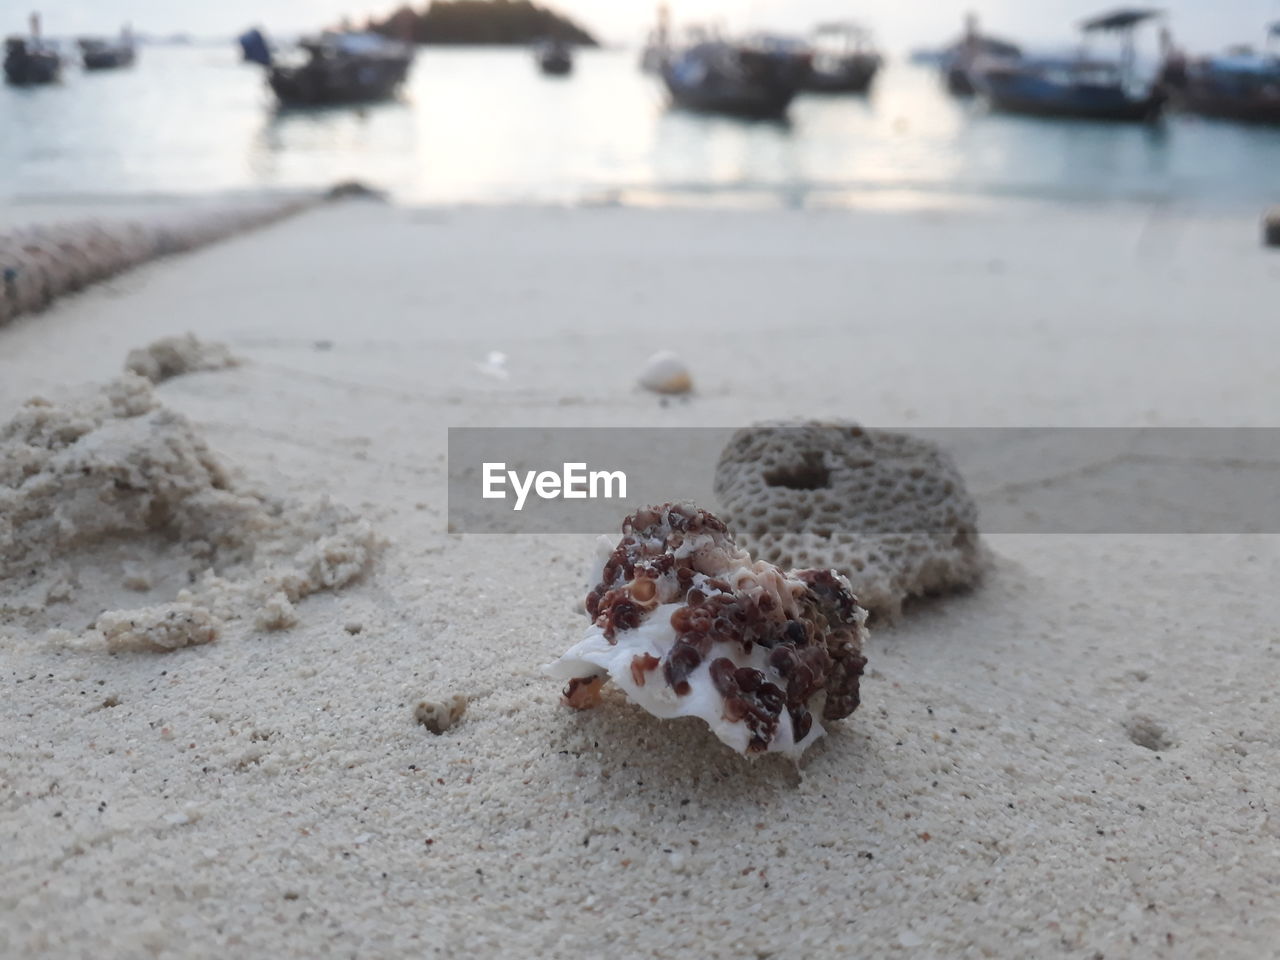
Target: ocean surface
point(482, 125)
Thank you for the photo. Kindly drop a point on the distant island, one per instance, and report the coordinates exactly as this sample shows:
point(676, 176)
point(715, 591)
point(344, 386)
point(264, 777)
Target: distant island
point(482, 22)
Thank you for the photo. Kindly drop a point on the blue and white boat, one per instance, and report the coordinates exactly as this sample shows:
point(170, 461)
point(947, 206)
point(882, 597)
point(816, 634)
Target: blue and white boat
point(1242, 84)
point(956, 62)
point(1080, 86)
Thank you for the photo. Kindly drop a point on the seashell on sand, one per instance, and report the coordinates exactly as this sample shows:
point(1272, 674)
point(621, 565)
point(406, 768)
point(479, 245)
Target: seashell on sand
point(665, 372)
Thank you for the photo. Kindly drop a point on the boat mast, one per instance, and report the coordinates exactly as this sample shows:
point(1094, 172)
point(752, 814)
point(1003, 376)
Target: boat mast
point(1127, 55)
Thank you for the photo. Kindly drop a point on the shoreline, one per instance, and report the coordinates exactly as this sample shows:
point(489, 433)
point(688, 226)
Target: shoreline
point(124, 220)
point(727, 198)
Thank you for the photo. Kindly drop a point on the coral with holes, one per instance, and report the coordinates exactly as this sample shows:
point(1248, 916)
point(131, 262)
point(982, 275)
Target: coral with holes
point(888, 510)
point(687, 624)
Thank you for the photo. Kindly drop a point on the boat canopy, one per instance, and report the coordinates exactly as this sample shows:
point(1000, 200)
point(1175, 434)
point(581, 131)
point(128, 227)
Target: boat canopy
point(841, 27)
point(775, 43)
point(1074, 63)
point(1123, 19)
point(1256, 64)
point(360, 43)
point(986, 45)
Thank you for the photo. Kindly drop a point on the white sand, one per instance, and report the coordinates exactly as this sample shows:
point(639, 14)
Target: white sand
point(271, 793)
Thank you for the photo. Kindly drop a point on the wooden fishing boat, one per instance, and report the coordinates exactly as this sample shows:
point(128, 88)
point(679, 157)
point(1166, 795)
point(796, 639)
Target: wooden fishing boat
point(30, 60)
point(1241, 85)
point(1082, 86)
point(751, 79)
point(336, 68)
point(98, 53)
point(844, 59)
point(956, 62)
point(555, 58)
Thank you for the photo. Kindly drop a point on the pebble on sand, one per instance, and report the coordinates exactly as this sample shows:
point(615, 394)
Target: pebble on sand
point(665, 372)
point(439, 715)
point(1271, 227)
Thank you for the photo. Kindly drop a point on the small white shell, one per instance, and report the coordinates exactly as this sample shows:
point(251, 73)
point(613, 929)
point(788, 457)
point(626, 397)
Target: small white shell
point(664, 372)
point(495, 365)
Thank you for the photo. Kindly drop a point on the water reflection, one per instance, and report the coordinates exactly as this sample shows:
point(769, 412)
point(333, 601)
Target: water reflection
point(483, 124)
point(301, 145)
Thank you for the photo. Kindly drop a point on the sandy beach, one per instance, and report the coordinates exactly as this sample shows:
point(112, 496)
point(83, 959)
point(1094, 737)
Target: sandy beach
point(1076, 759)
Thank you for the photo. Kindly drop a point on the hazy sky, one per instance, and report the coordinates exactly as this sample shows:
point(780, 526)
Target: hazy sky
point(1199, 24)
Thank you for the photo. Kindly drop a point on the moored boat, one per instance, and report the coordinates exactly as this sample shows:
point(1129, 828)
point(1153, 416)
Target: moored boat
point(756, 79)
point(98, 53)
point(1081, 86)
point(657, 44)
point(555, 58)
point(30, 60)
point(844, 59)
point(336, 68)
point(1241, 85)
point(956, 62)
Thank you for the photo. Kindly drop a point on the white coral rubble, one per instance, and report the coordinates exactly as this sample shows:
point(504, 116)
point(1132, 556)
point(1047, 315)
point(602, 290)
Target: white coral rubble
point(164, 627)
point(112, 491)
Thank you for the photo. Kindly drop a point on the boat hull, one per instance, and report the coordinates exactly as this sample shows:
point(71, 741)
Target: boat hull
point(750, 104)
point(25, 69)
point(108, 59)
point(1245, 96)
point(1027, 94)
point(851, 75)
point(556, 65)
point(1229, 109)
point(755, 86)
point(337, 82)
point(1259, 110)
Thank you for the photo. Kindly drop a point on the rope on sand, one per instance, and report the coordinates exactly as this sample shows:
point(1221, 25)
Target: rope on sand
point(40, 263)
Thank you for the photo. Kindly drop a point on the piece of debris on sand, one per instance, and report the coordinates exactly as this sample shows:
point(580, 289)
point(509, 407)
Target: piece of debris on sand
point(171, 357)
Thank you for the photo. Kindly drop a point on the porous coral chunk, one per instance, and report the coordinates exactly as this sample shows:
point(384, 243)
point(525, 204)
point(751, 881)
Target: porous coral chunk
point(888, 510)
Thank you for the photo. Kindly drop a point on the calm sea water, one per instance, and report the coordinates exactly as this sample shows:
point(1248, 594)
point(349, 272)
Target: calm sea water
point(483, 125)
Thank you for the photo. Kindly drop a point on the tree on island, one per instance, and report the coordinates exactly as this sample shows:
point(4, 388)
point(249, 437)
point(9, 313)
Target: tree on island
point(482, 22)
